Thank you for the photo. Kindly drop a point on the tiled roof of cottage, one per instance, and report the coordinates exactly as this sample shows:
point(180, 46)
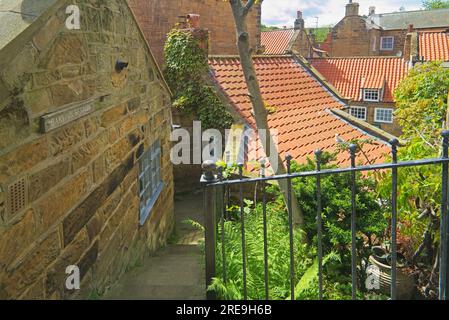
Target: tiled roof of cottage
point(434, 46)
point(277, 41)
point(349, 75)
point(302, 106)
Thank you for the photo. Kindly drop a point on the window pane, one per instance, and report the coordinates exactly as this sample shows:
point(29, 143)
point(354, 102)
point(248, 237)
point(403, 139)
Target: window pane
point(384, 115)
point(358, 112)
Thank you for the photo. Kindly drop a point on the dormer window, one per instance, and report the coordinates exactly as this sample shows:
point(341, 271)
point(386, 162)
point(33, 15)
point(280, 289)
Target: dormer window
point(371, 95)
point(387, 43)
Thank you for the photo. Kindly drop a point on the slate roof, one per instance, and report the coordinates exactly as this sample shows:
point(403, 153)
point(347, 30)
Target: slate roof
point(277, 41)
point(434, 46)
point(302, 117)
point(421, 19)
point(349, 75)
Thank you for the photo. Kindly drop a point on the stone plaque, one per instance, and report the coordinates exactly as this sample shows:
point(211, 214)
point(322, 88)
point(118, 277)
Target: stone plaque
point(71, 113)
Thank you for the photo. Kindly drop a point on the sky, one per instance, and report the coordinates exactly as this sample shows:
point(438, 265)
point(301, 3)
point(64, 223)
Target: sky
point(283, 12)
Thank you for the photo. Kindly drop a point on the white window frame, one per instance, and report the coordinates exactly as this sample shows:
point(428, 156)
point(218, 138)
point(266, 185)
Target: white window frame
point(150, 180)
point(376, 115)
point(357, 109)
point(382, 46)
point(371, 91)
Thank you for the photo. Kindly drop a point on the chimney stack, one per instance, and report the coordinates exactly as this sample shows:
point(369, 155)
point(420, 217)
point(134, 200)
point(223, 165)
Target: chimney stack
point(299, 22)
point(372, 11)
point(410, 28)
point(411, 50)
point(193, 20)
point(352, 9)
point(193, 26)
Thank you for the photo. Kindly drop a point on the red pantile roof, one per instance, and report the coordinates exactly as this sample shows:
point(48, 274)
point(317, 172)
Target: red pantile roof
point(277, 41)
point(434, 46)
point(302, 117)
point(349, 75)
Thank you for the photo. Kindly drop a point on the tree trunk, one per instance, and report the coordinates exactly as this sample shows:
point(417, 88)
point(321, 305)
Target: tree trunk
point(240, 12)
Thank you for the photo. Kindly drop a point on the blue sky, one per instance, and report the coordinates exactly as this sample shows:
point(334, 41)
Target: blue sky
point(283, 12)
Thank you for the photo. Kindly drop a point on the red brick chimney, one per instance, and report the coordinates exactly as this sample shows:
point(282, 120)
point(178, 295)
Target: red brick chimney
point(194, 26)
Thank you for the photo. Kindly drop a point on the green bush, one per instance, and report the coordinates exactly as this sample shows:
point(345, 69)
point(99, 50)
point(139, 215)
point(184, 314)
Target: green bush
point(337, 239)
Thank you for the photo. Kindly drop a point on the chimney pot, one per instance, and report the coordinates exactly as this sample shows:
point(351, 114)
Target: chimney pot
point(410, 28)
point(193, 21)
point(372, 10)
point(299, 14)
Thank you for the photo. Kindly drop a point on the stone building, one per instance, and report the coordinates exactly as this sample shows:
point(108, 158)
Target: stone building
point(291, 39)
point(157, 18)
point(379, 34)
point(85, 172)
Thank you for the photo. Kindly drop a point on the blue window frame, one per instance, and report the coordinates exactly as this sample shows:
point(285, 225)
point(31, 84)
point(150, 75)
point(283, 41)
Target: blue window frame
point(150, 180)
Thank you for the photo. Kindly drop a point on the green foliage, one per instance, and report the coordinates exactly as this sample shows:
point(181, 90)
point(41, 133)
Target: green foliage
point(185, 70)
point(269, 28)
point(321, 32)
point(435, 4)
point(421, 100)
point(337, 238)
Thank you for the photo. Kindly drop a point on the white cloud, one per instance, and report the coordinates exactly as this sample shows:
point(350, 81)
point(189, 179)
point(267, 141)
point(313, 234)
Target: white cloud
point(283, 12)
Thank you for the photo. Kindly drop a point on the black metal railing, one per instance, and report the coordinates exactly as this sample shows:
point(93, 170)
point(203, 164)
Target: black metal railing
point(216, 199)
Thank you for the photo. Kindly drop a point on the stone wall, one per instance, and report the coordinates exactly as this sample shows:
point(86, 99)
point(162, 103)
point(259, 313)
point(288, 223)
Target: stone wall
point(157, 18)
point(70, 196)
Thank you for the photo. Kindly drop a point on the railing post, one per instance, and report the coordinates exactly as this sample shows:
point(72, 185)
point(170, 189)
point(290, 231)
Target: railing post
point(353, 151)
point(444, 238)
point(210, 200)
point(319, 222)
point(394, 218)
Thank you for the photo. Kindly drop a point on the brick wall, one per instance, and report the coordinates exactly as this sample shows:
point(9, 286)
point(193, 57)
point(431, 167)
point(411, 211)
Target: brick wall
point(157, 18)
point(77, 185)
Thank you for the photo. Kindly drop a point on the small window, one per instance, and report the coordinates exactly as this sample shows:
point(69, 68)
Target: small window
point(371, 95)
point(358, 112)
point(383, 115)
point(150, 180)
point(387, 43)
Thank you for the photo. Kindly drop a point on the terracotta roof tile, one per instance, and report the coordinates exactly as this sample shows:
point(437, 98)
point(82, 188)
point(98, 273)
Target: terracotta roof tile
point(302, 117)
point(349, 75)
point(434, 46)
point(277, 41)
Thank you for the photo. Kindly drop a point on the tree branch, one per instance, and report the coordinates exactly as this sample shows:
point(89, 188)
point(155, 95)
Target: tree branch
point(248, 7)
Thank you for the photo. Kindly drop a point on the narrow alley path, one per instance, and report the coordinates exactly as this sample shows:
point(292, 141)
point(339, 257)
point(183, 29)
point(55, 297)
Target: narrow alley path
point(176, 272)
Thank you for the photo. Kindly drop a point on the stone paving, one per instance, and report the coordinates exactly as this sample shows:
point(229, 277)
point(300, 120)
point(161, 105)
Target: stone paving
point(176, 272)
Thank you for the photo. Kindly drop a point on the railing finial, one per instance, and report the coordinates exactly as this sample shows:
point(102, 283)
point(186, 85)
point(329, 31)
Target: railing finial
point(209, 169)
point(288, 159)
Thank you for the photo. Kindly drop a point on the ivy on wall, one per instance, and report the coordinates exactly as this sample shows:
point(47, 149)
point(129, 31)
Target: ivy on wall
point(185, 68)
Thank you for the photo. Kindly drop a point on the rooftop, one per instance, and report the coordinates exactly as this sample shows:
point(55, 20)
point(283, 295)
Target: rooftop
point(349, 75)
point(421, 19)
point(277, 41)
point(434, 46)
point(302, 106)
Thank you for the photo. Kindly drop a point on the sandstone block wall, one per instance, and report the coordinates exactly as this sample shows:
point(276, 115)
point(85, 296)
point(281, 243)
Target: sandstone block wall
point(71, 196)
point(157, 18)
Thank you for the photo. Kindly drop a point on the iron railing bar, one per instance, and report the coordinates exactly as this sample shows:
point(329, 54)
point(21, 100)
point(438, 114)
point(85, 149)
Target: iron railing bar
point(265, 231)
point(222, 224)
point(290, 226)
point(242, 222)
point(394, 205)
point(443, 219)
point(326, 172)
point(318, 154)
point(353, 150)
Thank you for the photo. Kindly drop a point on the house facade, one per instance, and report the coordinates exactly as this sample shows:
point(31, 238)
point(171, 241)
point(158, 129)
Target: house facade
point(380, 34)
point(85, 173)
point(368, 84)
point(157, 18)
